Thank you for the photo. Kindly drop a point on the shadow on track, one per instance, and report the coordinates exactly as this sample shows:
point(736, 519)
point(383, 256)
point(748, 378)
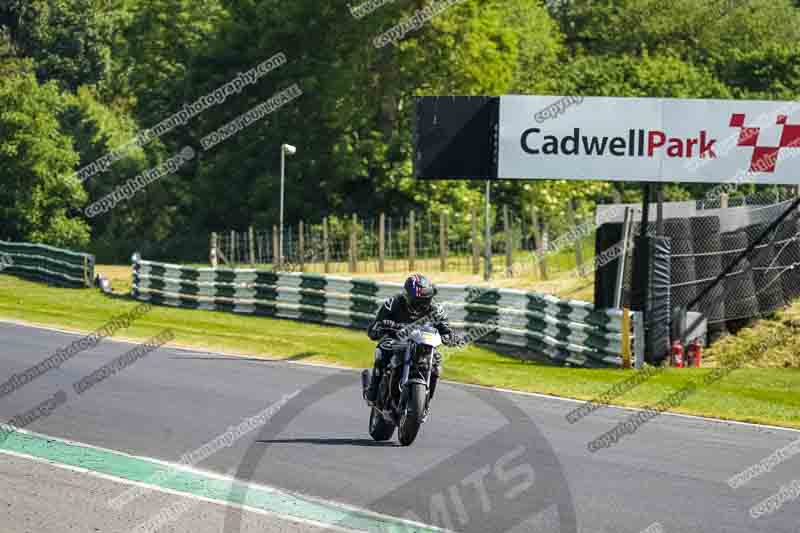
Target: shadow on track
point(331, 442)
point(296, 357)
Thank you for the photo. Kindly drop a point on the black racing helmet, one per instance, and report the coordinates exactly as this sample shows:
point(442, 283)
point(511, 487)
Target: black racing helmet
point(418, 293)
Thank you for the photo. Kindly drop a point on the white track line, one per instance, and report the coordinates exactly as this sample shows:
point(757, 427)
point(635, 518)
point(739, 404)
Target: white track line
point(123, 481)
point(215, 475)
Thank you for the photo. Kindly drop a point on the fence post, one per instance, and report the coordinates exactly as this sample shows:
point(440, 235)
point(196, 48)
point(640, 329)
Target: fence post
point(288, 247)
point(326, 256)
point(381, 242)
point(412, 244)
point(276, 255)
point(350, 250)
point(543, 250)
point(537, 238)
point(232, 255)
point(509, 241)
point(723, 200)
point(301, 241)
point(443, 242)
point(476, 247)
point(213, 251)
point(353, 245)
point(573, 219)
point(252, 238)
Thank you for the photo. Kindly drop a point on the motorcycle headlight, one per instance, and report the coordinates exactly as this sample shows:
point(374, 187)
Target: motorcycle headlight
point(429, 338)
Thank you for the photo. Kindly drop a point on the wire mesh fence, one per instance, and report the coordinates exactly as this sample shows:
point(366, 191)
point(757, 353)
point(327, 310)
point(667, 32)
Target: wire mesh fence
point(713, 235)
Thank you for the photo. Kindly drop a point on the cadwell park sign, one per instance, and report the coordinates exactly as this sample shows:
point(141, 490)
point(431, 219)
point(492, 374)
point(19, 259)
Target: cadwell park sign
point(608, 138)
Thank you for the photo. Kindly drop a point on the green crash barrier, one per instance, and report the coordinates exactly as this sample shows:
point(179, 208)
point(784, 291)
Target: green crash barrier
point(566, 331)
point(47, 263)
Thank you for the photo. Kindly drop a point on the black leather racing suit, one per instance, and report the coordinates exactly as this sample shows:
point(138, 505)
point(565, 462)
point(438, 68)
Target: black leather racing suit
point(396, 310)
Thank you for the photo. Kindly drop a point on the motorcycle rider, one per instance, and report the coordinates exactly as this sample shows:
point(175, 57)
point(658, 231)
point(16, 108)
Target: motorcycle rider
point(414, 304)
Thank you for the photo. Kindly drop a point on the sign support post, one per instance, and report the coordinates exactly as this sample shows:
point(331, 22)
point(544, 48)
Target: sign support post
point(487, 269)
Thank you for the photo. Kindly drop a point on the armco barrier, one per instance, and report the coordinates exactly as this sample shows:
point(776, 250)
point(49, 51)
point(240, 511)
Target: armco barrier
point(46, 263)
point(565, 330)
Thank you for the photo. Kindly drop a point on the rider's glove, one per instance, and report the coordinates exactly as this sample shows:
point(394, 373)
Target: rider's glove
point(453, 340)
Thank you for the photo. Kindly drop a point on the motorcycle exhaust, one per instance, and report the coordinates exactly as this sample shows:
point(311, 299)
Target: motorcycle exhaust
point(364, 383)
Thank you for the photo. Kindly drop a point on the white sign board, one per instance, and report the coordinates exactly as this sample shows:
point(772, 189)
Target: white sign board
point(649, 139)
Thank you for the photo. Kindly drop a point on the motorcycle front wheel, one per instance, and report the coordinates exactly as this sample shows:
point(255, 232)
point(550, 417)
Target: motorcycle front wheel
point(379, 428)
point(415, 410)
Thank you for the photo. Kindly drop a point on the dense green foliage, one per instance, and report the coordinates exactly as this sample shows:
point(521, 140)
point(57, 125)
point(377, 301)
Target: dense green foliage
point(80, 78)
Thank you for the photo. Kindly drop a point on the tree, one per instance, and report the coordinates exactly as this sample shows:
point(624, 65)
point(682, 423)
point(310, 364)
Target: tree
point(147, 217)
point(657, 75)
point(156, 47)
point(697, 30)
point(353, 124)
point(69, 40)
point(767, 73)
point(39, 197)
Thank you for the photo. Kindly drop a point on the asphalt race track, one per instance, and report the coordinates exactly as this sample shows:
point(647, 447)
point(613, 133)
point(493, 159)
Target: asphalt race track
point(486, 460)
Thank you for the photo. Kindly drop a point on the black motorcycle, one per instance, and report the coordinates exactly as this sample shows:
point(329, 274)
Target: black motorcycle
point(406, 387)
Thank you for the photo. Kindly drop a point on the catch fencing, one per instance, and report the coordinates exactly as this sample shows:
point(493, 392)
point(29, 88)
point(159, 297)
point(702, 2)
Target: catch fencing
point(47, 263)
point(707, 235)
point(566, 331)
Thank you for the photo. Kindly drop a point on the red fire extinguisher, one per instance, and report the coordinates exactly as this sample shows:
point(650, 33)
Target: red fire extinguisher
point(694, 353)
point(677, 353)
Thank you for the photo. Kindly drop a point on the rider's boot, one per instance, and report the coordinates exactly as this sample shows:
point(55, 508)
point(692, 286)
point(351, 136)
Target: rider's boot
point(374, 383)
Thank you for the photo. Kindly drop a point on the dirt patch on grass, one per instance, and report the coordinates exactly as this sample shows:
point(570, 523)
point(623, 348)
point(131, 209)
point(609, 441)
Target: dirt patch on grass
point(778, 332)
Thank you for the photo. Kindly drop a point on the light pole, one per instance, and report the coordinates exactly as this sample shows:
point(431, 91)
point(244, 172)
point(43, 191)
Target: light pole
point(286, 149)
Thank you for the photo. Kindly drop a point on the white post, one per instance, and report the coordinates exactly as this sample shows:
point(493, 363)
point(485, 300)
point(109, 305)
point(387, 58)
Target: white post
point(286, 149)
point(621, 261)
point(280, 229)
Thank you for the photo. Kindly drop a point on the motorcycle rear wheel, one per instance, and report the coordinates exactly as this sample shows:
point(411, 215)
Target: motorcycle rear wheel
point(379, 428)
point(415, 411)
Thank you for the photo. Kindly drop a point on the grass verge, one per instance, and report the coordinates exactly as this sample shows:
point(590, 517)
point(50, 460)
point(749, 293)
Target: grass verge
point(761, 395)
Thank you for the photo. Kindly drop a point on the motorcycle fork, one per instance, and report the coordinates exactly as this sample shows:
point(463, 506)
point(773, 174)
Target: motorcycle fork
point(433, 379)
point(395, 383)
point(406, 365)
point(385, 389)
point(397, 386)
